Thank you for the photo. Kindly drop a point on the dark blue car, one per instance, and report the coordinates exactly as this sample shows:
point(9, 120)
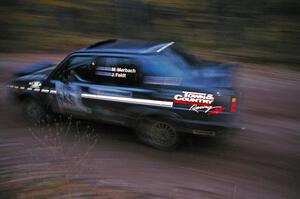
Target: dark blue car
point(155, 88)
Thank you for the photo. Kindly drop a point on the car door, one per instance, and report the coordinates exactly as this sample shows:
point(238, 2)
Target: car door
point(115, 86)
point(69, 82)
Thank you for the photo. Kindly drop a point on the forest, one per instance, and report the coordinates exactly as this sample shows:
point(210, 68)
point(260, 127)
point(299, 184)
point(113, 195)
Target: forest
point(257, 30)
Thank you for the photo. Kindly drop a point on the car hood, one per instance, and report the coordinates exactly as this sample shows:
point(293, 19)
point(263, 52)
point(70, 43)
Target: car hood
point(37, 74)
point(26, 70)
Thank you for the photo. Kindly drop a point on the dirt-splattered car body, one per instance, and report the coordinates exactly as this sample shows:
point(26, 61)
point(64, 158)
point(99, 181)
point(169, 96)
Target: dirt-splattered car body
point(152, 87)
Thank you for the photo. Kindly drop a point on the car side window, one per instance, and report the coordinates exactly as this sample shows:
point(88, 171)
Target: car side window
point(161, 65)
point(118, 71)
point(77, 69)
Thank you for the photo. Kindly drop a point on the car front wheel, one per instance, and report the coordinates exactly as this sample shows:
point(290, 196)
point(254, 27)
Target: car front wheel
point(33, 111)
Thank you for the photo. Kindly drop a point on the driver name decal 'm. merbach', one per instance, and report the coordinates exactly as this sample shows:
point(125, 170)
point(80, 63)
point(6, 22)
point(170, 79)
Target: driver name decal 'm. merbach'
point(198, 101)
point(119, 72)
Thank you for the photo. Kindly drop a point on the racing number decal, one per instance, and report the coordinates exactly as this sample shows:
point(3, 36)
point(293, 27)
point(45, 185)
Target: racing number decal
point(69, 97)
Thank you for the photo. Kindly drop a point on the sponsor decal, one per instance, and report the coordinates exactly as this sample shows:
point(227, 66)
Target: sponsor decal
point(194, 98)
point(210, 110)
point(200, 102)
point(35, 84)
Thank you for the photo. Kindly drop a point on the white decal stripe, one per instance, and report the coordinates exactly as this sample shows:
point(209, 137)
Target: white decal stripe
point(45, 90)
point(129, 100)
point(113, 98)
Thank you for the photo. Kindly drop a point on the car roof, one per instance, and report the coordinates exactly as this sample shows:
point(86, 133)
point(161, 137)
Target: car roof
point(126, 46)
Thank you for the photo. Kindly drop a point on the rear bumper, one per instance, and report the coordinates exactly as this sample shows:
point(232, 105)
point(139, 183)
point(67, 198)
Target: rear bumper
point(207, 127)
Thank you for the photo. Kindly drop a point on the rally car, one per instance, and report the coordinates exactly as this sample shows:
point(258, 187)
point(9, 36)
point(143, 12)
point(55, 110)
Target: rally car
point(158, 89)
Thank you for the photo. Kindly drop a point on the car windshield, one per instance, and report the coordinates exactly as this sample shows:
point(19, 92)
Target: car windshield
point(170, 63)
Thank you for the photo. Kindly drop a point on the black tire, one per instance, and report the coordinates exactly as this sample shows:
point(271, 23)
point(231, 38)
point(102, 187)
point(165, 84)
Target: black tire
point(159, 134)
point(34, 112)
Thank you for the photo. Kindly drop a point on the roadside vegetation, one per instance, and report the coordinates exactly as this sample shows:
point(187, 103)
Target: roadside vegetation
point(258, 31)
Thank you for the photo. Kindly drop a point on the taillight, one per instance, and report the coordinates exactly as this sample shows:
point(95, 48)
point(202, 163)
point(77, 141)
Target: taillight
point(233, 105)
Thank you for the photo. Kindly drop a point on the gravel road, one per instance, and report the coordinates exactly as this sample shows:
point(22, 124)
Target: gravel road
point(78, 159)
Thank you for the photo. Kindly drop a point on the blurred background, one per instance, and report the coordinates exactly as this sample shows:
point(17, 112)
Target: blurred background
point(252, 30)
point(71, 160)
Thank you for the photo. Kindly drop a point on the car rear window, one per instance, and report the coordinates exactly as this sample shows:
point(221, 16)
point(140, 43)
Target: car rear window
point(166, 64)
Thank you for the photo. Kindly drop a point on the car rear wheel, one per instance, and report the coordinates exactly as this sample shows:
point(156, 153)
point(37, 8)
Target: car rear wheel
point(159, 134)
point(34, 112)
